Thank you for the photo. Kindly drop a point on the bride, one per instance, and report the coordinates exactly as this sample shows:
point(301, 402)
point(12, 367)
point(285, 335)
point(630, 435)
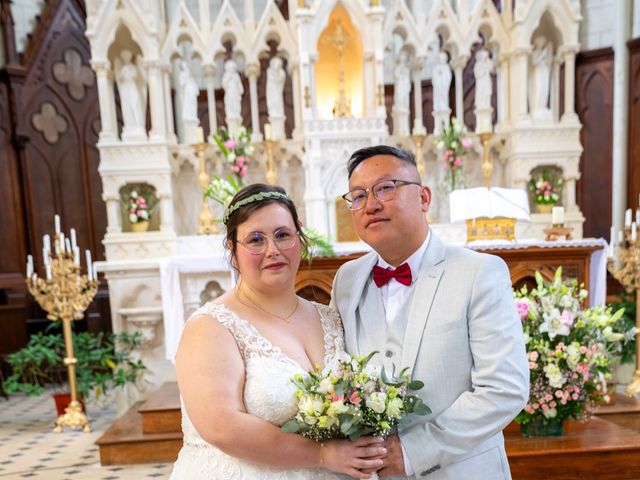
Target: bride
point(238, 353)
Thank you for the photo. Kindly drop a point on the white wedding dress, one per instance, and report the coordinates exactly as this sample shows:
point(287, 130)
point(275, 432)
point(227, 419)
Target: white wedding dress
point(268, 394)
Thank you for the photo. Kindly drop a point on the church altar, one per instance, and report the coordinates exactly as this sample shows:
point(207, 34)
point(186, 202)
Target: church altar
point(312, 81)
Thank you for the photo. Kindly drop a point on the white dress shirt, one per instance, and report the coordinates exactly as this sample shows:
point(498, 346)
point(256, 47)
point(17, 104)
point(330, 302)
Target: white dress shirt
point(394, 295)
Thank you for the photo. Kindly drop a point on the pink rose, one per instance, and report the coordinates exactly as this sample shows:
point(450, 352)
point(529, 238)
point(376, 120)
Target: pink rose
point(354, 397)
point(230, 144)
point(466, 142)
point(235, 169)
point(457, 162)
point(243, 171)
point(240, 160)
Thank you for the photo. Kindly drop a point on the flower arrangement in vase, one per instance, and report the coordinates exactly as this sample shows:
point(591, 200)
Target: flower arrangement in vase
point(454, 144)
point(545, 189)
point(236, 150)
point(139, 210)
point(570, 350)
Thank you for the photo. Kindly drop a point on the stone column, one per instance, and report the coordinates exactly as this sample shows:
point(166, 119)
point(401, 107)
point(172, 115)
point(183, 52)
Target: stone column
point(166, 212)
point(555, 88)
point(458, 70)
point(620, 111)
point(369, 85)
point(106, 101)
point(314, 201)
point(293, 68)
point(253, 70)
point(418, 124)
point(166, 87)
point(210, 75)
point(112, 201)
point(502, 84)
point(312, 85)
point(518, 78)
point(569, 84)
point(156, 102)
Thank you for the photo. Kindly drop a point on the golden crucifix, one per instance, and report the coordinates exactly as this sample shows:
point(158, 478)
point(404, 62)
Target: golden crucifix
point(339, 40)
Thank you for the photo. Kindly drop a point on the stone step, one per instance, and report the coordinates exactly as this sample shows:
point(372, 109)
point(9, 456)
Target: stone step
point(161, 412)
point(125, 442)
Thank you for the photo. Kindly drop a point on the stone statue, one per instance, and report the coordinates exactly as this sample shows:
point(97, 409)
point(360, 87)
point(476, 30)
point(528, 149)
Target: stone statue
point(190, 90)
point(132, 87)
point(276, 77)
point(402, 83)
point(233, 90)
point(482, 73)
point(441, 80)
point(541, 68)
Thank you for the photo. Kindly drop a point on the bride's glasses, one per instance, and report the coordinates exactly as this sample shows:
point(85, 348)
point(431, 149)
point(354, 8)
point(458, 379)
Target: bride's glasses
point(256, 242)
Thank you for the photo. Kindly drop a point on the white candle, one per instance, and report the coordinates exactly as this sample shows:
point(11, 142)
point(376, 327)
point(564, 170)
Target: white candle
point(48, 270)
point(557, 215)
point(29, 266)
point(620, 237)
point(95, 271)
point(267, 131)
point(634, 233)
point(199, 135)
point(89, 270)
point(67, 244)
point(62, 243)
point(34, 277)
point(627, 218)
point(76, 255)
point(46, 241)
point(638, 216)
point(73, 239)
point(56, 221)
point(45, 255)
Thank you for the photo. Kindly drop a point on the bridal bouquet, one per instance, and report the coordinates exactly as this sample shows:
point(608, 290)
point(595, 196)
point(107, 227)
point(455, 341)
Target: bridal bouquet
point(353, 400)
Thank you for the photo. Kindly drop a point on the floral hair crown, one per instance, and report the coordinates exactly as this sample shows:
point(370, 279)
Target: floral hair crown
point(256, 197)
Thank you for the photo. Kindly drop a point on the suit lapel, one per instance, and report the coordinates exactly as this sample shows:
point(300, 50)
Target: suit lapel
point(371, 321)
point(422, 299)
point(354, 286)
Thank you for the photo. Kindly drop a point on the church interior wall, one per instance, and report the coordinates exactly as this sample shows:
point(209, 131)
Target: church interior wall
point(636, 19)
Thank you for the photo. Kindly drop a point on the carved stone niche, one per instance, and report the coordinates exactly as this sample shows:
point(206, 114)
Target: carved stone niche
point(144, 320)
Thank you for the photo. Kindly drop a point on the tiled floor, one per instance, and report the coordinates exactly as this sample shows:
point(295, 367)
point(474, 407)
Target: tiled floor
point(30, 450)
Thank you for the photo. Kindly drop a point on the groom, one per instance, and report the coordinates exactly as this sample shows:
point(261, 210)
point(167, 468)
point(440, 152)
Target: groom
point(444, 311)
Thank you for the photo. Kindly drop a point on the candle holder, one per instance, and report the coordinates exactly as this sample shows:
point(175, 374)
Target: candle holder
point(65, 294)
point(624, 265)
point(486, 164)
point(418, 140)
point(271, 173)
point(206, 220)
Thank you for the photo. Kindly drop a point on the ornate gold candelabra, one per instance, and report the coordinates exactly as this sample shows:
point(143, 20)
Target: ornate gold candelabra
point(486, 165)
point(206, 221)
point(65, 294)
point(418, 140)
point(624, 265)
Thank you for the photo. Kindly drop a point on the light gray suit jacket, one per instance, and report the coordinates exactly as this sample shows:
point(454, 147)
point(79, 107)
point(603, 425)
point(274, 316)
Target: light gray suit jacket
point(464, 341)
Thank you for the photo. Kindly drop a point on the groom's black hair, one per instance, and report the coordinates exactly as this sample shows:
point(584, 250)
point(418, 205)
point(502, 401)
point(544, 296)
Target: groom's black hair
point(363, 154)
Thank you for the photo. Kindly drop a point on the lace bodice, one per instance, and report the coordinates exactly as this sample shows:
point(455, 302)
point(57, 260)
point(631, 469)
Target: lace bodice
point(268, 393)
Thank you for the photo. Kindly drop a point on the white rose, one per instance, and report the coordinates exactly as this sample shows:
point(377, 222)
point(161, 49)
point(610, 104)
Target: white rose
point(326, 386)
point(394, 408)
point(231, 157)
point(310, 405)
point(133, 218)
point(144, 215)
point(550, 413)
point(336, 408)
point(134, 194)
point(376, 401)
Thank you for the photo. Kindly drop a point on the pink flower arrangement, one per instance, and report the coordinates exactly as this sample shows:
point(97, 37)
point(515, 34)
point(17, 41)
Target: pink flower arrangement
point(139, 210)
point(569, 349)
point(545, 188)
point(454, 144)
point(236, 150)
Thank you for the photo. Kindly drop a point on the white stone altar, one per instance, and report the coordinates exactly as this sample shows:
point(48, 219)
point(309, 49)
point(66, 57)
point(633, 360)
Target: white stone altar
point(311, 162)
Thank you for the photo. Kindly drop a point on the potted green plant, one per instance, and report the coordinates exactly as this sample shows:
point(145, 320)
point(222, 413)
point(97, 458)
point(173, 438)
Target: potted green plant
point(104, 362)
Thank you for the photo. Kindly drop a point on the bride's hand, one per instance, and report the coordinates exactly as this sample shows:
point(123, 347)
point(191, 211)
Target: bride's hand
point(345, 456)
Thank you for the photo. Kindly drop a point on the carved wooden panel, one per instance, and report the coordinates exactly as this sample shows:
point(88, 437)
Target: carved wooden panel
point(314, 281)
point(594, 106)
point(634, 123)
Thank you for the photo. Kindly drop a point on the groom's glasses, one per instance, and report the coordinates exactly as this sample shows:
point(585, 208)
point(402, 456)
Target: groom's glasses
point(383, 191)
point(256, 242)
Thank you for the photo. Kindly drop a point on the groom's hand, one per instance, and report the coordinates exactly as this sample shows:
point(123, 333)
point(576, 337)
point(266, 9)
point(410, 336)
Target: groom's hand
point(393, 463)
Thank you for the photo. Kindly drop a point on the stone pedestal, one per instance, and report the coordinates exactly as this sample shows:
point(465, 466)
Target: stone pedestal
point(277, 128)
point(439, 118)
point(189, 132)
point(483, 120)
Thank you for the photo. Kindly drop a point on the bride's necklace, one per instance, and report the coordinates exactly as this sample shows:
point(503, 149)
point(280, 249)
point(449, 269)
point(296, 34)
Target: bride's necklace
point(286, 318)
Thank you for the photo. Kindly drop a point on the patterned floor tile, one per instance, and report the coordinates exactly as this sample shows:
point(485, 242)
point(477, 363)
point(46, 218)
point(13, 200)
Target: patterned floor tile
point(29, 449)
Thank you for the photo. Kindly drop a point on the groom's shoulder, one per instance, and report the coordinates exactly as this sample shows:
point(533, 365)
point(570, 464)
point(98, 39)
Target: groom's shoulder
point(353, 266)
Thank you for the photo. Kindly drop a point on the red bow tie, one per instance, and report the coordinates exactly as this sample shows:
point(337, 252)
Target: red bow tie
point(402, 274)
